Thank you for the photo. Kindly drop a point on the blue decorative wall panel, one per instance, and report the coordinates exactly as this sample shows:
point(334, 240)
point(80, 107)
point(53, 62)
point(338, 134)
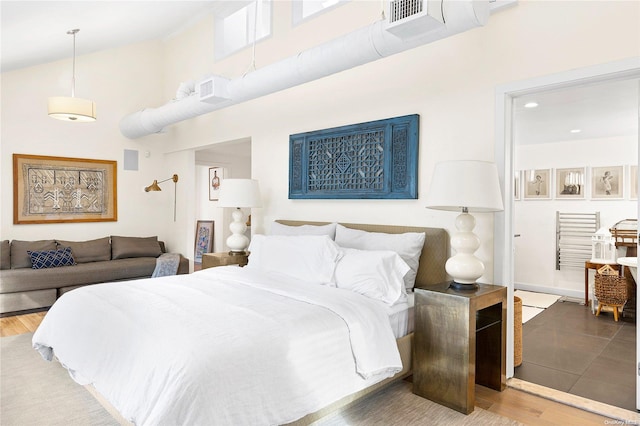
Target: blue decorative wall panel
point(377, 159)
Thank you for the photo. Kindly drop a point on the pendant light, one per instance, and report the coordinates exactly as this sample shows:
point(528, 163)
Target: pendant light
point(72, 108)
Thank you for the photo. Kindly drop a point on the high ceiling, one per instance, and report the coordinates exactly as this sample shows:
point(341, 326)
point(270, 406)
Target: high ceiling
point(35, 32)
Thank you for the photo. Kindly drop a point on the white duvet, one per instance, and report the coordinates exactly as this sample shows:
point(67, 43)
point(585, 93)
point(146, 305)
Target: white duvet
point(227, 346)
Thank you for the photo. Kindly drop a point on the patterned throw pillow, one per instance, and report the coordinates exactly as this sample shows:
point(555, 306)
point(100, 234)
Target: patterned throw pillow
point(51, 258)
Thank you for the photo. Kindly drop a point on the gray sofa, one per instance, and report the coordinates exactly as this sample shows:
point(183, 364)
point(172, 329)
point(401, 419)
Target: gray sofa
point(115, 258)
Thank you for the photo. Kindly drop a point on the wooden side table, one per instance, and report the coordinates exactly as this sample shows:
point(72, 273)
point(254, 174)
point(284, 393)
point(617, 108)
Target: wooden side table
point(459, 340)
point(211, 260)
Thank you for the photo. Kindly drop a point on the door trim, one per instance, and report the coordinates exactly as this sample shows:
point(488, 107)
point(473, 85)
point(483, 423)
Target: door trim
point(503, 222)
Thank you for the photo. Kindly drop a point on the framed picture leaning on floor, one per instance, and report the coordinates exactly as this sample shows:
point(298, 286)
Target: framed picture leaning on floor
point(204, 239)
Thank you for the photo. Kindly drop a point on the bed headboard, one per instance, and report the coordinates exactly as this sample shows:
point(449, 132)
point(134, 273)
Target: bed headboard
point(434, 253)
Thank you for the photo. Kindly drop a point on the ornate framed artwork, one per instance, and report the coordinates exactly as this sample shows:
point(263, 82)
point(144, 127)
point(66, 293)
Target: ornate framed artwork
point(633, 182)
point(537, 184)
point(61, 189)
point(570, 183)
point(204, 239)
point(373, 160)
point(216, 176)
point(607, 182)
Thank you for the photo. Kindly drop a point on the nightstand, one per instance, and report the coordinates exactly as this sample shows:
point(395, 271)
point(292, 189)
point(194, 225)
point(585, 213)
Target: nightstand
point(459, 340)
point(211, 260)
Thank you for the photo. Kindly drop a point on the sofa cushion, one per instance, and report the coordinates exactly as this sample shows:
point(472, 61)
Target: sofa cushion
point(51, 258)
point(5, 255)
point(89, 251)
point(84, 273)
point(124, 247)
point(19, 256)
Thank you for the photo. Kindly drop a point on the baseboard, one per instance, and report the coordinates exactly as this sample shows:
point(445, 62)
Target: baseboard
point(575, 294)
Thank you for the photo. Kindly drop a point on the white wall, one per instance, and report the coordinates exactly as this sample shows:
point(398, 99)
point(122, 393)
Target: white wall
point(450, 83)
point(535, 220)
point(117, 80)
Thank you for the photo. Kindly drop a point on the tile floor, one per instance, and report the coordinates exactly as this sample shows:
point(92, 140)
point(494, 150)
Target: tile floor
point(568, 348)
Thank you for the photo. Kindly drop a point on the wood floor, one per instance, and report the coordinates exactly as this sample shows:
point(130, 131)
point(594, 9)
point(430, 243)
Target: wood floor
point(514, 404)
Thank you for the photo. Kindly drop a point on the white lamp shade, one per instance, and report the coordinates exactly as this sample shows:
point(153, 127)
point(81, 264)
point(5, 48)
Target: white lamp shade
point(72, 109)
point(465, 183)
point(239, 193)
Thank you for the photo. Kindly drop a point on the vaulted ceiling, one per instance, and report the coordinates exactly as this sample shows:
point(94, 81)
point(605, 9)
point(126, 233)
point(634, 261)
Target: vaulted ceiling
point(34, 32)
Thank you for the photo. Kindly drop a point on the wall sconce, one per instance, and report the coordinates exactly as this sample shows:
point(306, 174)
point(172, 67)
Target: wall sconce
point(155, 187)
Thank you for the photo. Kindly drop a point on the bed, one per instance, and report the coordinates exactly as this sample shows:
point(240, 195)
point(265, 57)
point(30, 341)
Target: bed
point(253, 345)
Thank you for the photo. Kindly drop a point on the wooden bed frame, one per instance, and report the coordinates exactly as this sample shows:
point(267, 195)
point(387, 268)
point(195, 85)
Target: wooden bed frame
point(435, 253)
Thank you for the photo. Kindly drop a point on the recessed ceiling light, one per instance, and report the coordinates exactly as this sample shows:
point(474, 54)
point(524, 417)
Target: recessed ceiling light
point(576, 130)
point(531, 105)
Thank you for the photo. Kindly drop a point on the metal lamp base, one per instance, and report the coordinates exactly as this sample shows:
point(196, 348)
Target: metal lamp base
point(463, 286)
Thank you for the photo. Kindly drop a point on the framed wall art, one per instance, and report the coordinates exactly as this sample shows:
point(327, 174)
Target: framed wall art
point(607, 182)
point(372, 160)
point(537, 184)
point(216, 176)
point(516, 185)
point(570, 183)
point(204, 239)
point(633, 182)
point(61, 189)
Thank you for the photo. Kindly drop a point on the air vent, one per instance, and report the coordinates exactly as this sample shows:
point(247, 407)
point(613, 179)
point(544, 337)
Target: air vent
point(410, 18)
point(401, 9)
point(213, 89)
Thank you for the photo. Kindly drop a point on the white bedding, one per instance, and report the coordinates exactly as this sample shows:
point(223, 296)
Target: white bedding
point(167, 353)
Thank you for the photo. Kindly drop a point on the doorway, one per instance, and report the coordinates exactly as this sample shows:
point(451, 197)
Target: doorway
point(505, 154)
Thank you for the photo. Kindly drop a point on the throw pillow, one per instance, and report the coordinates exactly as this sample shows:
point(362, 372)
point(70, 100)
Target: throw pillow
point(123, 247)
point(51, 258)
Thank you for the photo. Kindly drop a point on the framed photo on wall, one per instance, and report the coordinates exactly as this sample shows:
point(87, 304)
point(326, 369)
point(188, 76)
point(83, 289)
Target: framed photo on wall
point(216, 176)
point(537, 184)
point(607, 182)
point(204, 239)
point(570, 182)
point(633, 182)
point(516, 185)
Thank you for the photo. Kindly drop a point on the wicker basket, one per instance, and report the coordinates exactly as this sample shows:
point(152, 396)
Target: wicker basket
point(517, 331)
point(611, 289)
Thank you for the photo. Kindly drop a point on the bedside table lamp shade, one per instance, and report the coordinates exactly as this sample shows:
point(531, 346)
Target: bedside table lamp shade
point(238, 193)
point(465, 186)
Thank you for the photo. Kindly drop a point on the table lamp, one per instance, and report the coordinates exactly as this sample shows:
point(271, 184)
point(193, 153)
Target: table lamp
point(238, 193)
point(466, 186)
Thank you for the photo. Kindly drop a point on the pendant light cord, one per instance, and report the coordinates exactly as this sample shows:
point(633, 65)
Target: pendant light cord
point(73, 72)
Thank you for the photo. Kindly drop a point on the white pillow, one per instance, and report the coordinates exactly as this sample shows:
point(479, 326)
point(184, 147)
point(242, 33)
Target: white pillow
point(280, 229)
point(408, 246)
point(309, 258)
point(378, 274)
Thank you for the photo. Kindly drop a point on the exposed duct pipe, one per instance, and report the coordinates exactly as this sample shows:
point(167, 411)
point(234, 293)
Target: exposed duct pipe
point(356, 48)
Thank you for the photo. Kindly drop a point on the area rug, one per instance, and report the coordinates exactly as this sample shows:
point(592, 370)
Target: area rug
point(533, 303)
point(396, 404)
point(36, 392)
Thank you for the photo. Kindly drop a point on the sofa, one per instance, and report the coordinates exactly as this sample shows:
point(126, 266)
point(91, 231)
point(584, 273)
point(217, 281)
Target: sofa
point(33, 274)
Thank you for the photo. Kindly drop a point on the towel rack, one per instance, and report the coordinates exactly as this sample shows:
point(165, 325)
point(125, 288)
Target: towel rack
point(573, 238)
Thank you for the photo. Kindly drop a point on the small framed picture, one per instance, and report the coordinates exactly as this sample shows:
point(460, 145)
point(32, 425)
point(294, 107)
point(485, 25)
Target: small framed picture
point(204, 239)
point(216, 175)
point(537, 184)
point(516, 185)
point(607, 182)
point(633, 182)
point(570, 183)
